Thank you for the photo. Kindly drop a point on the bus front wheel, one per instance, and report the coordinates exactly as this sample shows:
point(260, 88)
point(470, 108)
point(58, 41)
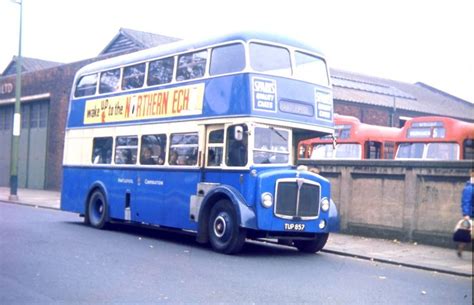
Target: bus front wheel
point(96, 214)
point(312, 245)
point(225, 235)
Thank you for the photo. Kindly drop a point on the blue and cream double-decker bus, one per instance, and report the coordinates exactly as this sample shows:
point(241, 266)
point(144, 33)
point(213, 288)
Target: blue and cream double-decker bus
point(201, 136)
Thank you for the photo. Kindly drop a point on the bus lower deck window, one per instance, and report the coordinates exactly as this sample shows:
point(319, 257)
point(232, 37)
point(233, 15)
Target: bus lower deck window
point(152, 149)
point(183, 149)
point(102, 150)
point(126, 150)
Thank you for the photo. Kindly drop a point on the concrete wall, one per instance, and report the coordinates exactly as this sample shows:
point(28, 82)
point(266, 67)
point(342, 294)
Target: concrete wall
point(408, 201)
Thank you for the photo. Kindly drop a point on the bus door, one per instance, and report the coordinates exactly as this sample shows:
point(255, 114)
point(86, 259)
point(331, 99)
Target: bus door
point(146, 202)
point(214, 154)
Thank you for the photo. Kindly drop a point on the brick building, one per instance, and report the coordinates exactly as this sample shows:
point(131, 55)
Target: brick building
point(46, 89)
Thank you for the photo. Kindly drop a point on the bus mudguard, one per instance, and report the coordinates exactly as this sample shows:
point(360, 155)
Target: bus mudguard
point(96, 185)
point(333, 221)
point(245, 215)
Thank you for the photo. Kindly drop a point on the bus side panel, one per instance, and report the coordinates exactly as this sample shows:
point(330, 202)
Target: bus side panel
point(178, 187)
point(116, 183)
point(74, 189)
point(147, 198)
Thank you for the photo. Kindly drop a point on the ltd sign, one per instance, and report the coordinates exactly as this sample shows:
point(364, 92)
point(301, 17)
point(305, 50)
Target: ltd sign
point(6, 88)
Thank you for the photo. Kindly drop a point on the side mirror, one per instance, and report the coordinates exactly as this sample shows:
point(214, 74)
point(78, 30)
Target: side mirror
point(238, 133)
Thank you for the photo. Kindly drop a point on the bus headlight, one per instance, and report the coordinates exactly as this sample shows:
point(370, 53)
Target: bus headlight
point(325, 204)
point(267, 200)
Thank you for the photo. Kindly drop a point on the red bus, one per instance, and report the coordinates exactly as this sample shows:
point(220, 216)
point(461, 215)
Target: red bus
point(353, 140)
point(436, 138)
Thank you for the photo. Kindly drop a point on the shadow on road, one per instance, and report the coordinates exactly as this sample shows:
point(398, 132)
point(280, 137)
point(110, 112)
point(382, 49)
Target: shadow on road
point(251, 248)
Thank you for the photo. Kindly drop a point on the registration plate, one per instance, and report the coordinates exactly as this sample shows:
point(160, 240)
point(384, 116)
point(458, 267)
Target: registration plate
point(294, 226)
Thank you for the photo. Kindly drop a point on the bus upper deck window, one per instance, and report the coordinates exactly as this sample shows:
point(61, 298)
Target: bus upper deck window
point(86, 85)
point(227, 59)
point(270, 59)
point(160, 71)
point(311, 68)
point(133, 76)
point(191, 65)
point(109, 81)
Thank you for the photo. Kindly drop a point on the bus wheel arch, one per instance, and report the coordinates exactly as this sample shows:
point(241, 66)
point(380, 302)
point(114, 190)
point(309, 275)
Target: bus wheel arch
point(96, 208)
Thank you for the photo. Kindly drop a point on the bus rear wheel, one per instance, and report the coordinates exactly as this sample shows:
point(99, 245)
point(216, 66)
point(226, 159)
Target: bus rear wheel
point(312, 245)
point(96, 214)
point(225, 235)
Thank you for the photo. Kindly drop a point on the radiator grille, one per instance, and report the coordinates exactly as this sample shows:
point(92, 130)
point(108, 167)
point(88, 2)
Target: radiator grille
point(297, 199)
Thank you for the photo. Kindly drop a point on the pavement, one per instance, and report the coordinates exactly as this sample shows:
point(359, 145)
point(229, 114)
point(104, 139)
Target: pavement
point(431, 258)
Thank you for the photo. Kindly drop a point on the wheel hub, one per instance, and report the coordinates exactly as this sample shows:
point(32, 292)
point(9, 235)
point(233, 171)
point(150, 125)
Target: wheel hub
point(220, 226)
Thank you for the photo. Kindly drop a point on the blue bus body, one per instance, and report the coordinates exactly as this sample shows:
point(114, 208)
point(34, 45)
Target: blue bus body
point(183, 197)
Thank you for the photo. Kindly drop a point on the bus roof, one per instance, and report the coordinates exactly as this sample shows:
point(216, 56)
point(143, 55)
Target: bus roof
point(190, 45)
point(455, 130)
point(360, 131)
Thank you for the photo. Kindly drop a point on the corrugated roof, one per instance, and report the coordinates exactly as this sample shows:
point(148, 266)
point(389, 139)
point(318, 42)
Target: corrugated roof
point(419, 97)
point(29, 64)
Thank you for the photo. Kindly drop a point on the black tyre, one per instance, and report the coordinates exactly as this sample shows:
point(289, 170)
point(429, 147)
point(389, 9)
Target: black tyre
point(97, 210)
point(312, 245)
point(225, 235)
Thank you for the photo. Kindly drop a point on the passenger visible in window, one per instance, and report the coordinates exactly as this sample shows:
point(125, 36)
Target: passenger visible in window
point(146, 157)
point(173, 158)
point(191, 160)
point(158, 155)
point(124, 156)
point(237, 154)
point(97, 156)
point(211, 159)
point(181, 160)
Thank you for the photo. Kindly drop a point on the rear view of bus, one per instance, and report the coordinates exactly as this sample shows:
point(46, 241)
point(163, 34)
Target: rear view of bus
point(202, 136)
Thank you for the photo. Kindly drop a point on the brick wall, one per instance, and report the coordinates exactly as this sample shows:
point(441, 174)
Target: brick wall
point(368, 114)
point(57, 82)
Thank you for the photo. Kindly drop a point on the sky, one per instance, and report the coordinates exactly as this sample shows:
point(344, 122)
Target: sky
point(405, 40)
